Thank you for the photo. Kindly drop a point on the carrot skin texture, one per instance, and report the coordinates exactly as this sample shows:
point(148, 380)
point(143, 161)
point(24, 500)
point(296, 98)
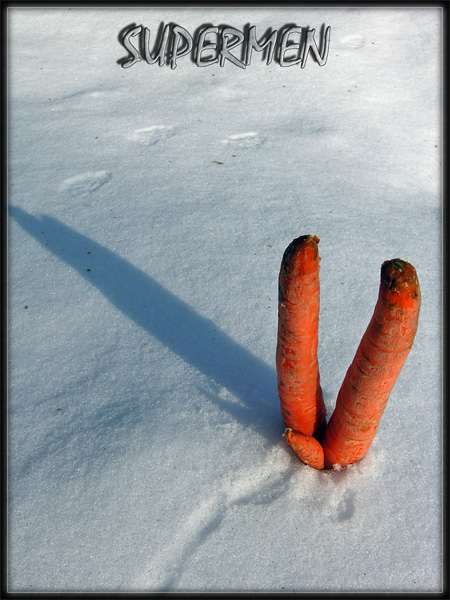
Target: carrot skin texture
point(301, 398)
point(376, 366)
point(307, 448)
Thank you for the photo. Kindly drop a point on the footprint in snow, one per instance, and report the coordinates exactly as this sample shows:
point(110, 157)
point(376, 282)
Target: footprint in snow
point(147, 136)
point(353, 41)
point(346, 507)
point(86, 183)
point(244, 140)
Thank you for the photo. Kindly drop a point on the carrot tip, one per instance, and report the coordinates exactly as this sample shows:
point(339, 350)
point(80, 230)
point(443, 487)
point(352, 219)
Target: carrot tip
point(307, 448)
point(298, 244)
point(397, 274)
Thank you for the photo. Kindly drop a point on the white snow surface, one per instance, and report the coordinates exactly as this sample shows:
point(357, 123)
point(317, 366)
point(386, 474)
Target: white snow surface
point(149, 209)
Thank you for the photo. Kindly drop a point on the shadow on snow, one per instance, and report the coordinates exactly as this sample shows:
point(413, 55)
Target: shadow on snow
point(196, 339)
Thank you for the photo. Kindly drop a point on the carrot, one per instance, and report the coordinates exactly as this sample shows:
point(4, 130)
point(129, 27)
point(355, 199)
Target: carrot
point(301, 398)
point(378, 361)
point(307, 448)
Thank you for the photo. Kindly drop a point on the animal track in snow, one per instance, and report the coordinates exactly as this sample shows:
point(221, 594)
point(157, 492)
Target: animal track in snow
point(85, 100)
point(353, 41)
point(346, 507)
point(147, 136)
point(262, 485)
point(86, 183)
point(168, 565)
point(244, 140)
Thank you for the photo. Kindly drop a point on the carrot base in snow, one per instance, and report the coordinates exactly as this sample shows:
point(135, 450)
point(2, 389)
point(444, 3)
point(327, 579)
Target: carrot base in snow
point(371, 376)
point(307, 448)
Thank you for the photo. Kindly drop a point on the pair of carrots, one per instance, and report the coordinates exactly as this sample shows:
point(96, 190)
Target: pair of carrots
point(371, 376)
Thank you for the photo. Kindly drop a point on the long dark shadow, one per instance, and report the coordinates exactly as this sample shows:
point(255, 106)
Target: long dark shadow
point(196, 339)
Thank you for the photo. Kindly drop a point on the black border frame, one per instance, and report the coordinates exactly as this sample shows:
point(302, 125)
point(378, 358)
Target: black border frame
point(4, 313)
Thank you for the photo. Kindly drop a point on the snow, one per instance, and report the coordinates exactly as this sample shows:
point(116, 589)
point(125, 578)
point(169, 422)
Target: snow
point(149, 211)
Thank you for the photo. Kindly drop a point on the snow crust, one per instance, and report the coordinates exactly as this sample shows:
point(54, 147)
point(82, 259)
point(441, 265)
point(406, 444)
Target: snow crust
point(149, 209)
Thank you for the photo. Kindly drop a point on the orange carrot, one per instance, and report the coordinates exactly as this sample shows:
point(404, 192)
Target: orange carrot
point(301, 398)
point(307, 448)
point(378, 361)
